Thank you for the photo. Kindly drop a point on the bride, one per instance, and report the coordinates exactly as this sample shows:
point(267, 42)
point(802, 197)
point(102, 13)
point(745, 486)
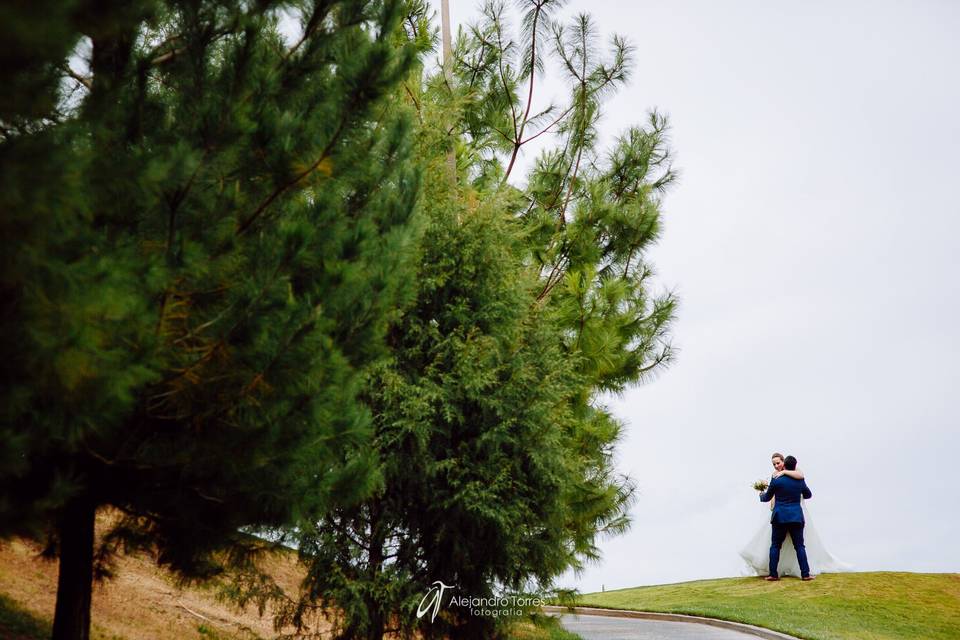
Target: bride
point(757, 552)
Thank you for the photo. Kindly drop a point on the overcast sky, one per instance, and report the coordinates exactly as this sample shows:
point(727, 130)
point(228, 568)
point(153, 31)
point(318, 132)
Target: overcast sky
point(812, 240)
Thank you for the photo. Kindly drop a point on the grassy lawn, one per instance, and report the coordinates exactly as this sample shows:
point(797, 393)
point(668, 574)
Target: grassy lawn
point(842, 606)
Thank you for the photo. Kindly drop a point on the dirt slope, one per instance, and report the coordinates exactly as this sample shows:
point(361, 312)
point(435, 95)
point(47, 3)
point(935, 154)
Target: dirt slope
point(142, 602)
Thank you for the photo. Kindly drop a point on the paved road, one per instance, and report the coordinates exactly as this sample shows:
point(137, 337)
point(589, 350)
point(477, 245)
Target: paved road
point(605, 628)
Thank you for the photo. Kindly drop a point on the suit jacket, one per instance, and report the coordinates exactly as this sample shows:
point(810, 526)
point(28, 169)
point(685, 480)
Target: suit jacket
point(788, 492)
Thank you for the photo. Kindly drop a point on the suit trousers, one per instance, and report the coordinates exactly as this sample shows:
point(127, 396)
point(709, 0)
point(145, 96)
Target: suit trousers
point(780, 531)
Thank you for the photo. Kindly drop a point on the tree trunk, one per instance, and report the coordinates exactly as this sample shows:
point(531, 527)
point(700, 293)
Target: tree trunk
point(71, 619)
point(377, 610)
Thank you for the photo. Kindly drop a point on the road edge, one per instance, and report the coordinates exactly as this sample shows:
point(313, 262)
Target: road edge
point(759, 632)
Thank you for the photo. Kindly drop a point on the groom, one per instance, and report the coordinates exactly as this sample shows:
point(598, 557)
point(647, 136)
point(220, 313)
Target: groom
point(787, 518)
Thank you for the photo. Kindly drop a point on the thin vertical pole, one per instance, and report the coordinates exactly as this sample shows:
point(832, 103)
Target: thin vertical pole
point(448, 72)
point(447, 47)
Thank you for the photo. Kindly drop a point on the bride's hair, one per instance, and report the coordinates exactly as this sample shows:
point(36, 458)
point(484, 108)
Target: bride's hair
point(776, 454)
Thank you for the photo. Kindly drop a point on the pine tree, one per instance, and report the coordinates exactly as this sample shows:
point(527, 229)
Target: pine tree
point(532, 302)
point(206, 227)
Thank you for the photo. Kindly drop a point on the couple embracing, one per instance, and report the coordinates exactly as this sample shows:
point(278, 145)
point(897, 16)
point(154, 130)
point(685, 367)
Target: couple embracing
point(787, 544)
point(787, 488)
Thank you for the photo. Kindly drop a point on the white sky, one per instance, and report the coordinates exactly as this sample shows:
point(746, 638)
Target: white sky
point(811, 240)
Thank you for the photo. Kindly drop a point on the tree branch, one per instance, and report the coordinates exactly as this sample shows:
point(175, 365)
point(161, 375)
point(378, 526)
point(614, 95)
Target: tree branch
point(308, 30)
point(416, 102)
point(503, 81)
point(533, 67)
point(243, 226)
point(83, 80)
point(549, 126)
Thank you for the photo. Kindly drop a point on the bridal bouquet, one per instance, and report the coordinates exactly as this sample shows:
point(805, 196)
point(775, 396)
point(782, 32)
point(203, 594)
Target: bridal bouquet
point(760, 485)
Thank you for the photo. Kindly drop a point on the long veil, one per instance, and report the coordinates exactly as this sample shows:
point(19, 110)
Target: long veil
point(756, 553)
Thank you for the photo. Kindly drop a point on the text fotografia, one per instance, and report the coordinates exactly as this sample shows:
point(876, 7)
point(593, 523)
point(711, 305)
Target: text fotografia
point(488, 607)
point(496, 606)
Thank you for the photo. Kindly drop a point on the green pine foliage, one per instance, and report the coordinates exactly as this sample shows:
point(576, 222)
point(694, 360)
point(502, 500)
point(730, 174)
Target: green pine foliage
point(206, 227)
point(532, 303)
point(224, 310)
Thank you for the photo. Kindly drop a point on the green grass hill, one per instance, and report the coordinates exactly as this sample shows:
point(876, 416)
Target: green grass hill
point(842, 606)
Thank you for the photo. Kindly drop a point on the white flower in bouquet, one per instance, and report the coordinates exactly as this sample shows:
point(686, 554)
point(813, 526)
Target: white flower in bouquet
point(760, 485)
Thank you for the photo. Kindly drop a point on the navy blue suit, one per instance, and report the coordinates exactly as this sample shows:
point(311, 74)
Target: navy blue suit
point(787, 517)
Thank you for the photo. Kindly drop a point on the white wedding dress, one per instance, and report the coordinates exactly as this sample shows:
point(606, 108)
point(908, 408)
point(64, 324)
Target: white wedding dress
point(757, 552)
